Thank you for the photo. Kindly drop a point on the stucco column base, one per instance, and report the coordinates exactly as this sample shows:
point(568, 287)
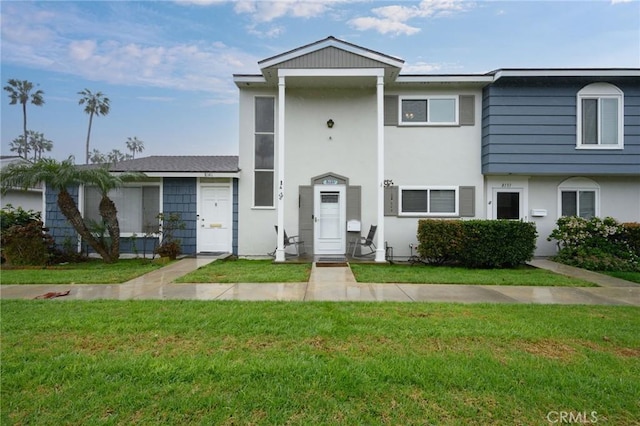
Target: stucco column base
point(380, 255)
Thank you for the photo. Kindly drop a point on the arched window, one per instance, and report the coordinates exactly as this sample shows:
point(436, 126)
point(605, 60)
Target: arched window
point(600, 117)
point(579, 197)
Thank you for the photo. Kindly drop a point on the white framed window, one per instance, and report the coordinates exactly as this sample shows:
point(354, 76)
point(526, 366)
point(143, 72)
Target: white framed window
point(138, 206)
point(579, 197)
point(428, 111)
point(264, 152)
point(428, 201)
point(600, 117)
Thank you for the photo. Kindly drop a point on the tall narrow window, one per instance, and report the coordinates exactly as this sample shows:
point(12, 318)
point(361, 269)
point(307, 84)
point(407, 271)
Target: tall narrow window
point(264, 151)
point(600, 116)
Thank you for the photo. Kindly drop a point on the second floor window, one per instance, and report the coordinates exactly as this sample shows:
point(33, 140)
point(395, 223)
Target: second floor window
point(600, 117)
point(429, 110)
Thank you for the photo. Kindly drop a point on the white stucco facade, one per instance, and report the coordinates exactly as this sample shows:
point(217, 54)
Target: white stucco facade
point(340, 119)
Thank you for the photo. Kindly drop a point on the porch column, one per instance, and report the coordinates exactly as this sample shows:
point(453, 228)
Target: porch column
point(380, 251)
point(280, 256)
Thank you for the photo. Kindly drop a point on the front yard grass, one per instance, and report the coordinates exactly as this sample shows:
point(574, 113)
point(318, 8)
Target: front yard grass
point(629, 276)
point(248, 271)
point(194, 362)
point(94, 271)
point(426, 274)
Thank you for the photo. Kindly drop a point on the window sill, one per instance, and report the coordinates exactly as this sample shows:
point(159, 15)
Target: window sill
point(428, 125)
point(429, 215)
point(600, 147)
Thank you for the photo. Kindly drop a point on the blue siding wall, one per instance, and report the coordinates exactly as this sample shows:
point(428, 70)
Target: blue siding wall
point(179, 196)
point(59, 227)
point(139, 245)
point(529, 127)
point(235, 217)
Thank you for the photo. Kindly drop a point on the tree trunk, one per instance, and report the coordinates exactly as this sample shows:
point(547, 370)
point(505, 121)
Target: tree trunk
point(88, 137)
point(109, 215)
point(70, 210)
point(24, 129)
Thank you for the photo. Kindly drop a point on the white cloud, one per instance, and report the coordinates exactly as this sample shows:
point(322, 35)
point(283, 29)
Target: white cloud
point(267, 11)
point(620, 1)
point(383, 26)
point(394, 18)
point(420, 67)
point(145, 60)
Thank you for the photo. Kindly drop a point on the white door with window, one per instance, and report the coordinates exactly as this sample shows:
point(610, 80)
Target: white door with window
point(330, 211)
point(215, 219)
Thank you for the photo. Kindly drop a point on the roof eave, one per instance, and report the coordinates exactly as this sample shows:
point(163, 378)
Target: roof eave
point(566, 72)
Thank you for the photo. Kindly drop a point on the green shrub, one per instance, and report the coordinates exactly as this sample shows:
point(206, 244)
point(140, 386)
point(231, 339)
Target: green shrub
point(632, 236)
point(27, 244)
point(498, 243)
point(10, 216)
point(477, 243)
point(441, 241)
point(170, 247)
point(596, 244)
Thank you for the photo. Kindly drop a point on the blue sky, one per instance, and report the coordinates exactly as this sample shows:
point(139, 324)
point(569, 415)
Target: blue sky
point(167, 66)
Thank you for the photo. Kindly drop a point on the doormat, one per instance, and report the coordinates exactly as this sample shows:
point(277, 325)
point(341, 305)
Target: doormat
point(333, 261)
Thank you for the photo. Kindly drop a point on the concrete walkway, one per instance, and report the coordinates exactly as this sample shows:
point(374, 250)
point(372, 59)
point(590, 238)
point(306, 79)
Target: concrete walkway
point(339, 284)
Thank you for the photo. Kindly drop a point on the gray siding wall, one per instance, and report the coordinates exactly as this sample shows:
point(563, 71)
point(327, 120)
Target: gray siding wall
point(529, 127)
point(179, 196)
point(331, 57)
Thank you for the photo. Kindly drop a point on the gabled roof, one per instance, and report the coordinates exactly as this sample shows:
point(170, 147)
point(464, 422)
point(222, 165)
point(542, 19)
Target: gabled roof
point(179, 164)
point(331, 42)
point(329, 57)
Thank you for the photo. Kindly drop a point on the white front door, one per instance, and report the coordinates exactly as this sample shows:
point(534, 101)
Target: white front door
point(330, 211)
point(214, 220)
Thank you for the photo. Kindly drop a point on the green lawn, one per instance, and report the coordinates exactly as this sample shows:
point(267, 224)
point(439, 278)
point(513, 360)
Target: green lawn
point(629, 276)
point(94, 271)
point(248, 271)
point(193, 362)
point(425, 274)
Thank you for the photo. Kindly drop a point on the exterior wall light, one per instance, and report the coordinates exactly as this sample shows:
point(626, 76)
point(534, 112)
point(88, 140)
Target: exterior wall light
point(330, 123)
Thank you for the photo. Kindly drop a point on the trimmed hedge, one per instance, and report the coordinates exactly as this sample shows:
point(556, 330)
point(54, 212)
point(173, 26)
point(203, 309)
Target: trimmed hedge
point(477, 243)
point(441, 241)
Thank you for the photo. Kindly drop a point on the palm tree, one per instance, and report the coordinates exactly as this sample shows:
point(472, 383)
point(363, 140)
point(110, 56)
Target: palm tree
point(96, 104)
point(97, 157)
point(135, 145)
point(18, 146)
point(60, 176)
point(39, 144)
point(20, 92)
point(115, 155)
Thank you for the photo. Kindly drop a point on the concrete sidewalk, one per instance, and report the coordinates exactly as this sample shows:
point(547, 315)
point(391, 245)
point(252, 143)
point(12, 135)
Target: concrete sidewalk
point(339, 284)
